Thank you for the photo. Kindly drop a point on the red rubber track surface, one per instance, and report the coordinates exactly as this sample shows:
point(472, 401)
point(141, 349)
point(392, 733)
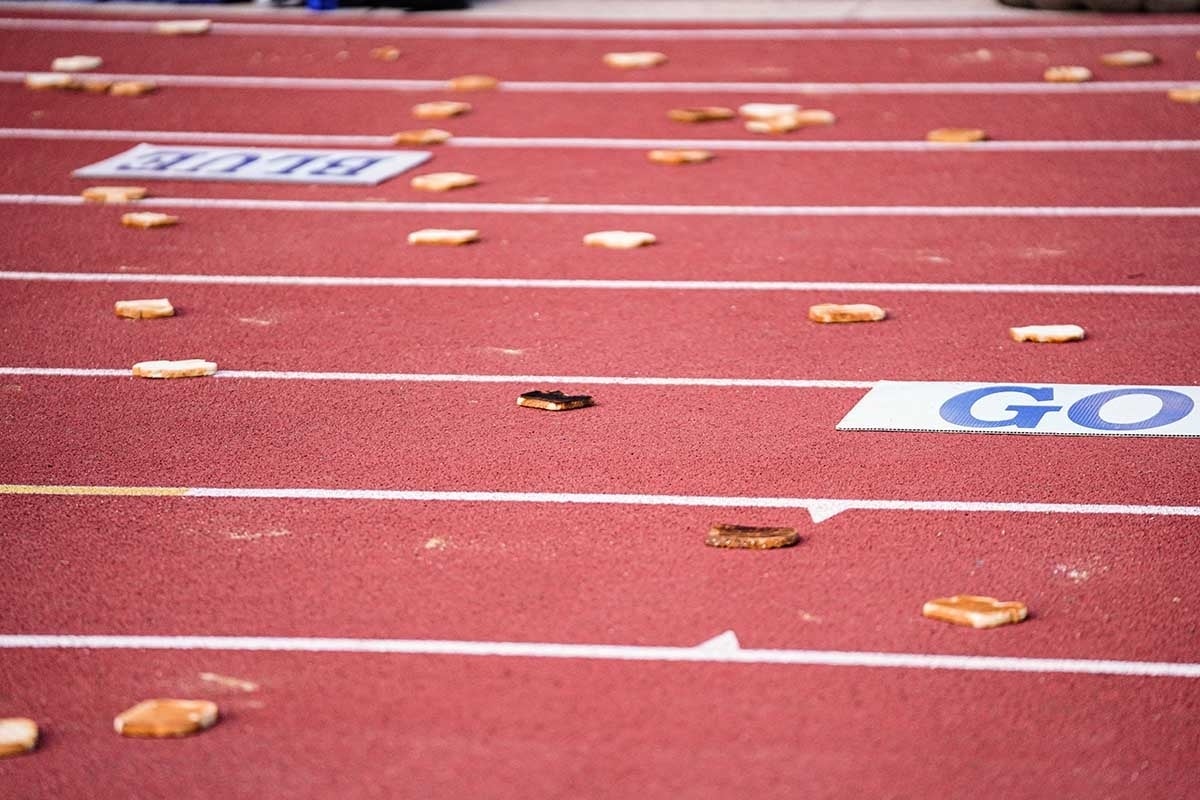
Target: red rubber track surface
point(1069, 116)
point(1106, 251)
point(359, 726)
point(1100, 590)
point(746, 178)
point(696, 440)
point(686, 334)
point(582, 60)
point(1116, 586)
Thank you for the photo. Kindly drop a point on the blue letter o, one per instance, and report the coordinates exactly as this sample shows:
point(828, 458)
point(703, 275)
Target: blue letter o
point(1086, 411)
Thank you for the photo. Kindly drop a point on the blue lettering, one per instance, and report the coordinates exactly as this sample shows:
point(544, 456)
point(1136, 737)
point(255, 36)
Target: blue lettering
point(1086, 411)
point(300, 160)
point(157, 160)
point(958, 409)
point(240, 160)
point(348, 166)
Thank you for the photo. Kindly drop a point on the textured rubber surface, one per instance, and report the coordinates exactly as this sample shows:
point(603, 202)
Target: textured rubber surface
point(735, 178)
point(1112, 586)
point(582, 61)
point(689, 440)
point(1127, 250)
point(1092, 588)
point(663, 333)
point(386, 727)
point(870, 116)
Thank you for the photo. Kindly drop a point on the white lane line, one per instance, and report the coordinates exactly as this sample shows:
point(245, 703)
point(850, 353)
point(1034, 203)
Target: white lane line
point(201, 137)
point(819, 508)
point(837, 146)
point(608, 652)
point(590, 283)
point(740, 87)
point(336, 31)
point(248, 204)
point(421, 377)
point(600, 143)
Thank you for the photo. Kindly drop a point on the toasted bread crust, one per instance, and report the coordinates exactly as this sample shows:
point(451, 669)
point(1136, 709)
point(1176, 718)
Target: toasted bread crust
point(679, 156)
point(975, 611)
point(17, 735)
point(640, 59)
point(440, 109)
point(852, 312)
point(750, 537)
point(163, 718)
point(443, 181)
point(700, 114)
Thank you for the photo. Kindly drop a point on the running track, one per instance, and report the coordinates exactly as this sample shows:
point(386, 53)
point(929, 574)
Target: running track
point(433, 593)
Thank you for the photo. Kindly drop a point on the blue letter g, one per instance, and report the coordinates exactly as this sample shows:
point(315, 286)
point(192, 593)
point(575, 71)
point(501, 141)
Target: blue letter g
point(957, 410)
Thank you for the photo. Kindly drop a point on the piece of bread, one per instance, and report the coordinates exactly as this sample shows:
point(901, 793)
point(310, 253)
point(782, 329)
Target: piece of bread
point(1047, 333)
point(975, 611)
point(40, 81)
point(443, 181)
point(148, 219)
point(95, 85)
point(852, 312)
point(17, 735)
point(766, 110)
point(188, 368)
point(1128, 58)
point(443, 236)
point(679, 156)
point(76, 63)
point(619, 240)
point(1065, 74)
point(163, 718)
point(132, 88)
point(144, 309)
point(640, 59)
point(554, 401)
point(473, 83)
point(440, 109)
point(113, 194)
point(700, 114)
point(956, 135)
point(421, 136)
point(794, 120)
point(384, 53)
point(183, 27)
point(750, 537)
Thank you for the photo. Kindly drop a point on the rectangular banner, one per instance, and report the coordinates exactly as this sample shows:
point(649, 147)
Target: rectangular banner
point(256, 164)
point(1069, 409)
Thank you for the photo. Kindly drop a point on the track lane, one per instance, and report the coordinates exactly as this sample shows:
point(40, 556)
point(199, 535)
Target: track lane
point(410, 727)
point(978, 59)
point(735, 178)
point(1112, 251)
point(1121, 735)
point(603, 332)
point(751, 443)
point(598, 575)
point(1101, 116)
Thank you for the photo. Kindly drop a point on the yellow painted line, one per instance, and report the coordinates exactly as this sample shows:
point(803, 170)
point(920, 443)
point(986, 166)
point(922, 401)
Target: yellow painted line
point(123, 491)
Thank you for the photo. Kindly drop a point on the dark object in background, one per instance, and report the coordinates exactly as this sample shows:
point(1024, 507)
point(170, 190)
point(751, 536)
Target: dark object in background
point(409, 5)
point(1107, 5)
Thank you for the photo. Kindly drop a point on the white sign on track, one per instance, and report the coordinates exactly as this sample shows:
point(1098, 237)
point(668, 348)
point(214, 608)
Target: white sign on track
point(256, 164)
point(1027, 408)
